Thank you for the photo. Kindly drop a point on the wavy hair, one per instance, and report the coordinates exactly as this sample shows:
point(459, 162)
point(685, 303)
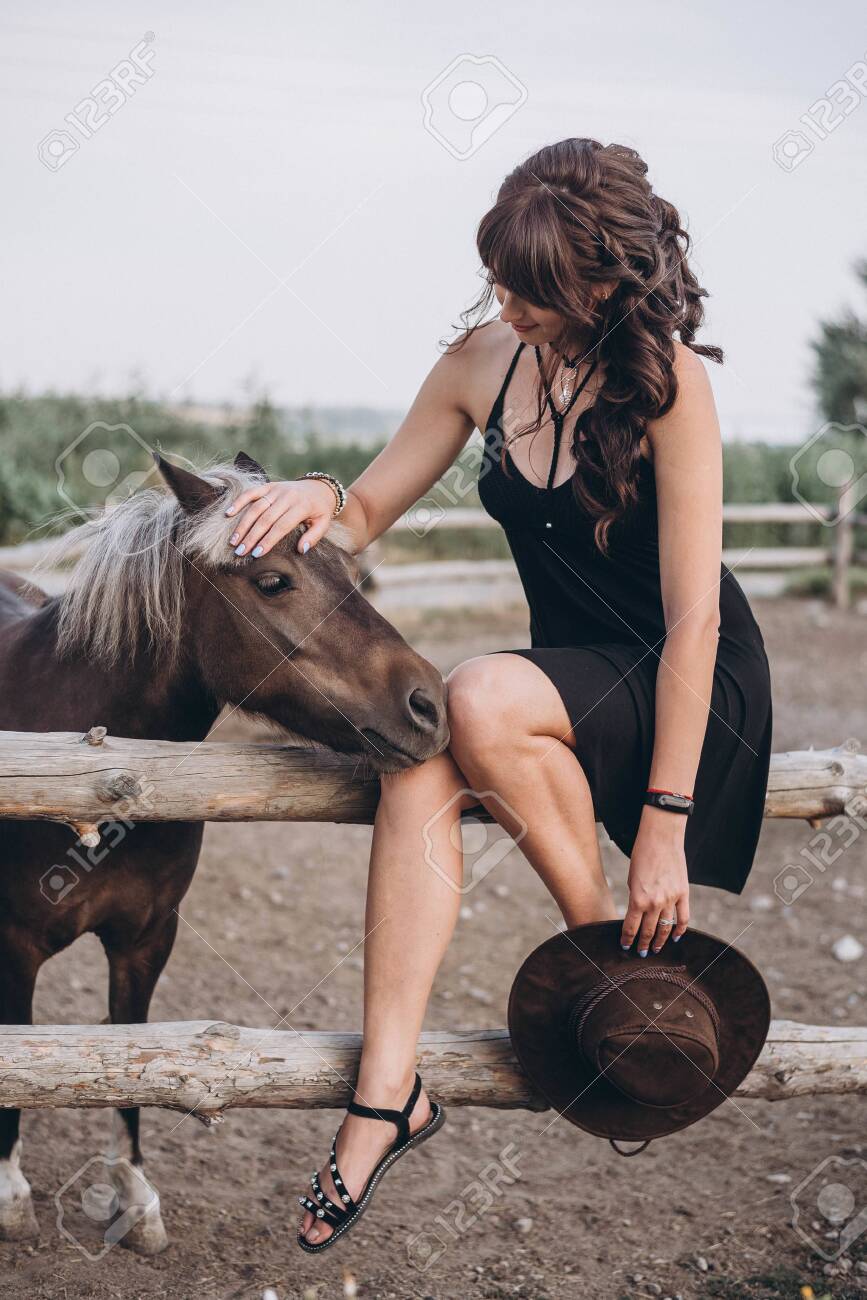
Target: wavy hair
point(577, 229)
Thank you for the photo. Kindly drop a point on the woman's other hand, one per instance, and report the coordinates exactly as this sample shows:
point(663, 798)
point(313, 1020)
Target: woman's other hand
point(658, 884)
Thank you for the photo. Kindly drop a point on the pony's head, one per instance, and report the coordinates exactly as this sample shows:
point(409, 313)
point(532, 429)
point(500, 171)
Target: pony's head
point(287, 636)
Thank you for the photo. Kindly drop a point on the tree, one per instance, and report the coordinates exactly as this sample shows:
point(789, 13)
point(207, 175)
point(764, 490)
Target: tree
point(840, 380)
point(840, 377)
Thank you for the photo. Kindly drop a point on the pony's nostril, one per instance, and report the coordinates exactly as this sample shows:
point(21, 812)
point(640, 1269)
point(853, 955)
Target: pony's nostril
point(423, 710)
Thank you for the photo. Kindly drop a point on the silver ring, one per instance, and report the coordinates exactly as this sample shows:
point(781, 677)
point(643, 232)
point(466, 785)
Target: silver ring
point(664, 921)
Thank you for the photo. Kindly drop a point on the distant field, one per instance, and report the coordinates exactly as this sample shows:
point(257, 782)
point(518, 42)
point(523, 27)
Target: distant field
point(71, 453)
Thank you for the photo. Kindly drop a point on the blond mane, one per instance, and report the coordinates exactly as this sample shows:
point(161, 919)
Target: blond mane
point(129, 579)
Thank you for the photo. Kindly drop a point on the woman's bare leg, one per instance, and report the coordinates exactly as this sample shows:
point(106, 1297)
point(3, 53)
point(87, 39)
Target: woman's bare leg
point(510, 733)
point(507, 722)
point(410, 916)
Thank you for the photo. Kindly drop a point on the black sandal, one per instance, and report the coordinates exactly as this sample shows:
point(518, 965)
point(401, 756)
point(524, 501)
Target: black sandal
point(341, 1217)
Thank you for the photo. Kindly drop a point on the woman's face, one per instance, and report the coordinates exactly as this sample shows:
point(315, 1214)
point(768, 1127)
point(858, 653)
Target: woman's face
point(535, 325)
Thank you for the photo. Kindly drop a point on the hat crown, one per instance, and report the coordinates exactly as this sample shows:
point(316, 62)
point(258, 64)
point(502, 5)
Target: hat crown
point(651, 1032)
point(563, 987)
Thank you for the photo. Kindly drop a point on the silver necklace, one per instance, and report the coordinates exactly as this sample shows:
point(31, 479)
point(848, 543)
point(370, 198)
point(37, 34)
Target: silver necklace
point(567, 378)
point(568, 375)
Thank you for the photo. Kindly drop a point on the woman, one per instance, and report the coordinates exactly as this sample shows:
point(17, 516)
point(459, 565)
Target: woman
point(647, 671)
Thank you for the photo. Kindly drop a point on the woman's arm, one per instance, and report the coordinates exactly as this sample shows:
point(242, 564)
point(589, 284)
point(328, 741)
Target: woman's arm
point(431, 436)
point(687, 458)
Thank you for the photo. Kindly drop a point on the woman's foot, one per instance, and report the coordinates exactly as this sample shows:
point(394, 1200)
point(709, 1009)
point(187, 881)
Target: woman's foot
point(361, 1144)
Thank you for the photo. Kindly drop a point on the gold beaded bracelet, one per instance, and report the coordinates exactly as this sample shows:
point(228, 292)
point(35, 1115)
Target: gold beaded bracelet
point(336, 487)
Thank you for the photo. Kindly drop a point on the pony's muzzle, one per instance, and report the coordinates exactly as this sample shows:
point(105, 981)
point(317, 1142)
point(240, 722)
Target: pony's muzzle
point(426, 713)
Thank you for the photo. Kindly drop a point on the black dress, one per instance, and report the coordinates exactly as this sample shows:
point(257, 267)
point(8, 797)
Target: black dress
point(597, 628)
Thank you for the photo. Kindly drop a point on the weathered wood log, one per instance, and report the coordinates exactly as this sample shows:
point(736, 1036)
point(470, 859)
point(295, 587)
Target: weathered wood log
point(210, 1067)
point(62, 776)
point(54, 776)
point(817, 783)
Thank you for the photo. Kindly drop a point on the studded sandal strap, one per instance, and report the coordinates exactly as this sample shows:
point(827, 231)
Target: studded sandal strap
point(400, 1118)
point(325, 1216)
point(348, 1204)
point(324, 1202)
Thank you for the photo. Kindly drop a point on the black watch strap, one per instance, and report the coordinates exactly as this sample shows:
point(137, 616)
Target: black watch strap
point(669, 801)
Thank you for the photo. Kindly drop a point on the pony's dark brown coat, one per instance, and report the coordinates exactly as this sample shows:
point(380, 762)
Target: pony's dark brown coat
point(287, 636)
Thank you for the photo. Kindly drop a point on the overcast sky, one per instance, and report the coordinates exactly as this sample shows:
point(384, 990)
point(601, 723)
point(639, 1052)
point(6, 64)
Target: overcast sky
point(286, 142)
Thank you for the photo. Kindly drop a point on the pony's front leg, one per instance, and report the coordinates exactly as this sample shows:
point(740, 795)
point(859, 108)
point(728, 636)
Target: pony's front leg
point(133, 973)
point(19, 964)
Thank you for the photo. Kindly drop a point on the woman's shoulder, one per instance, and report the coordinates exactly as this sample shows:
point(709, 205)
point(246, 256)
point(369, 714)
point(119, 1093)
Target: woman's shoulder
point(485, 344)
point(688, 366)
point(477, 362)
point(692, 417)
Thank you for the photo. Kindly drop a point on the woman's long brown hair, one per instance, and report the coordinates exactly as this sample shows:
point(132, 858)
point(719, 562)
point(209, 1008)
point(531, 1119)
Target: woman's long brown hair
point(578, 229)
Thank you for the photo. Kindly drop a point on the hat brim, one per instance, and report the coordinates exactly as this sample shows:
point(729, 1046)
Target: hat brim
point(568, 965)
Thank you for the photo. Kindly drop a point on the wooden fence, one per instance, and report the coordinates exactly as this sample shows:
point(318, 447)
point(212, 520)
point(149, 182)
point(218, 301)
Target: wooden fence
point(206, 1068)
point(66, 777)
point(839, 553)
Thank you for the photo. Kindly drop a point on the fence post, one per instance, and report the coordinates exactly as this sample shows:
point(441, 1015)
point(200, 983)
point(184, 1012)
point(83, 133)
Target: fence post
point(843, 546)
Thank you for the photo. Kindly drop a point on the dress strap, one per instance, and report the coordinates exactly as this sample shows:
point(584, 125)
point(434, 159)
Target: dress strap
point(497, 409)
point(512, 364)
point(558, 416)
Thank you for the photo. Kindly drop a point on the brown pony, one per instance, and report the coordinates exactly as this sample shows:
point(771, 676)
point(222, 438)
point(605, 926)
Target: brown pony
point(162, 625)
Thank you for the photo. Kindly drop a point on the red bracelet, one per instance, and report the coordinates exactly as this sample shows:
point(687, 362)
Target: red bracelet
point(652, 790)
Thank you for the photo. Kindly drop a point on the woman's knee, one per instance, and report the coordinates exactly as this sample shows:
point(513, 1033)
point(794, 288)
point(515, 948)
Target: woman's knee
point(484, 700)
point(436, 777)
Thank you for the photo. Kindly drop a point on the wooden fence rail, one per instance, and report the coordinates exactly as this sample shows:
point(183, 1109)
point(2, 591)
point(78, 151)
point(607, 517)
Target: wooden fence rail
point(207, 1068)
point(838, 553)
point(82, 780)
point(769, 512)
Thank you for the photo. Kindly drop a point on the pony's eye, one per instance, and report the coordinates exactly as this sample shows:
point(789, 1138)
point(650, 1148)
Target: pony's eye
point(273, 584)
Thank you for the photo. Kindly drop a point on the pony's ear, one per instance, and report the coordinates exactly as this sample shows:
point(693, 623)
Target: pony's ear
point(192, 492)
point(248, 465)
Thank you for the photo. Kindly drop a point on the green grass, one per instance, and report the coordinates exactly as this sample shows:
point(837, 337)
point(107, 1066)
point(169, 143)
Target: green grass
point(817, 582)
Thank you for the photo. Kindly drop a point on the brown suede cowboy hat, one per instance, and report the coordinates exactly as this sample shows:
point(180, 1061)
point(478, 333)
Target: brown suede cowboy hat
point(632, 1048)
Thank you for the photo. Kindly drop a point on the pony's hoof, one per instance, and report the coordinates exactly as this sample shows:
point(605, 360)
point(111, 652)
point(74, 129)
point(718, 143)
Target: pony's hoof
point(139, 1226)
point(147, 1237)
point(18, 1219)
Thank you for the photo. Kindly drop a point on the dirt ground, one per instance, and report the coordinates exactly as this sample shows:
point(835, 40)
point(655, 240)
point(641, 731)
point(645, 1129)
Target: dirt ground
point(706, 1213)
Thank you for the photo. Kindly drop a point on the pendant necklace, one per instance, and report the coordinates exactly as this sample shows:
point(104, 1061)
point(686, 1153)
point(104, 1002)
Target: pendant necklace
point(558, 416)
point(567, 364)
